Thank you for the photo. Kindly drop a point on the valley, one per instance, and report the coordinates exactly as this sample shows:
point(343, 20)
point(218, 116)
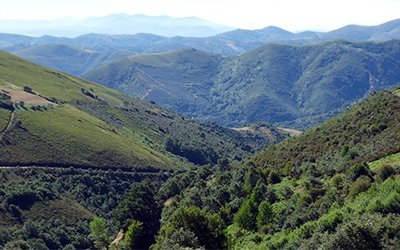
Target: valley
point(198, 136)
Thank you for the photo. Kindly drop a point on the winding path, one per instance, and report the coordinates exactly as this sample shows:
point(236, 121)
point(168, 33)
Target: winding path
point(9, 124)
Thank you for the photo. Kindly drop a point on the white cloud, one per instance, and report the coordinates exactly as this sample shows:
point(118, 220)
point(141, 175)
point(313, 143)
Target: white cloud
point(290, 14)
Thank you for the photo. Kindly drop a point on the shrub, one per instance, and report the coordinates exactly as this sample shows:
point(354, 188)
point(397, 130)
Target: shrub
point(385, 172)
point(360, 185)
point(28, 89)
point(207, 227)
point(274, 178)
point(358, 170)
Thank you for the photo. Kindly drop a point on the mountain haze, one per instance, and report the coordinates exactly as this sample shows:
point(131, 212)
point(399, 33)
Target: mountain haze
point(115, 24)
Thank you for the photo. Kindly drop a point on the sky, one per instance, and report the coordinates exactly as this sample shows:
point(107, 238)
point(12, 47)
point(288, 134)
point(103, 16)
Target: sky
point(293, 15)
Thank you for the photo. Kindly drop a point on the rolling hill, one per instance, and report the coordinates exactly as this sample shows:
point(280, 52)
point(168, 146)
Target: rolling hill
point(294, 85)
point(78, 55)
point(53, 119)
point(71, 59)
point(232, 42)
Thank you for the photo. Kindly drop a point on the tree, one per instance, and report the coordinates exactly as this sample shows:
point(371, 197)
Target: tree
point(99, 233)
point(265, 214)
point(139, 204)
point(246, 216)
point(206, 227)
point(132, 234)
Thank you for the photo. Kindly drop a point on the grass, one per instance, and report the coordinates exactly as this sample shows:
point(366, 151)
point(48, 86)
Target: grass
point(49, 83)
point(392, 160)
point(68, 212)
point(92, 125)
point(66, 134)
point(4, 118)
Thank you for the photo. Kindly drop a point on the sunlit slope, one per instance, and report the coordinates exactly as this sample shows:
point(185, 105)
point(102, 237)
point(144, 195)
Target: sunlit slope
point(53, 119)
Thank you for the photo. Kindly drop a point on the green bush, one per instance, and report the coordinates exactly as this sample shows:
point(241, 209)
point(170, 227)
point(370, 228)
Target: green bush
point(385, 172)
point(360, 185)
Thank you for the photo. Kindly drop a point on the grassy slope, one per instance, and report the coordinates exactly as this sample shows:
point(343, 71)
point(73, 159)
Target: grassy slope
point(102, 128)
point(69, 136)
point(63, 134)
point(4, 118)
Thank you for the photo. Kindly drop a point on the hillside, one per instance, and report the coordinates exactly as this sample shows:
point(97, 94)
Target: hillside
point(71, 59)
point(293, 85)
point(52, 119)
point(336, 186)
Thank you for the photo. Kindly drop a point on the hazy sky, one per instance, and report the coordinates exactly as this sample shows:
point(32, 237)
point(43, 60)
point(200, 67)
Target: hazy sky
point(294, 15)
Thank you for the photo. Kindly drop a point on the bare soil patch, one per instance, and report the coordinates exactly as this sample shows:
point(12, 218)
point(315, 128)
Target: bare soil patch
point(23, 96)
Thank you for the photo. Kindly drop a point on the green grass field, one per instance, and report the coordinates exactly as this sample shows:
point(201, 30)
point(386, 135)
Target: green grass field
point(66, 134)
point(50, 83)
point(391, 160)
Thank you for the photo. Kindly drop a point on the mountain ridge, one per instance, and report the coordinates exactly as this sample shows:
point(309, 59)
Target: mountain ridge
point(276, 83)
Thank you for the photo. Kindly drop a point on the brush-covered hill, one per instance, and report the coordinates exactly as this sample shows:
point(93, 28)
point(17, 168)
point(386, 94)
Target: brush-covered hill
point(180, 80)
point(52, 119)
point(295, 85)
point(336, 186)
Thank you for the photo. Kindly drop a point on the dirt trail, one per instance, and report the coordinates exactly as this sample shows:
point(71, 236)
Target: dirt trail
point(292, 132)
point(153, 86)
point(9, 124)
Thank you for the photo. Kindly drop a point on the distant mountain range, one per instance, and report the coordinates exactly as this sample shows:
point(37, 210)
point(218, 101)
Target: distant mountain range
point(229, 43)
point(115, 24)
point(274, 83)
point(295, 85)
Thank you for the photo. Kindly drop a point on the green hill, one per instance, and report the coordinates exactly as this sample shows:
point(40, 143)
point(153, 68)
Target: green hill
point(53, 119)
point(293, 85)
point(336, 186)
